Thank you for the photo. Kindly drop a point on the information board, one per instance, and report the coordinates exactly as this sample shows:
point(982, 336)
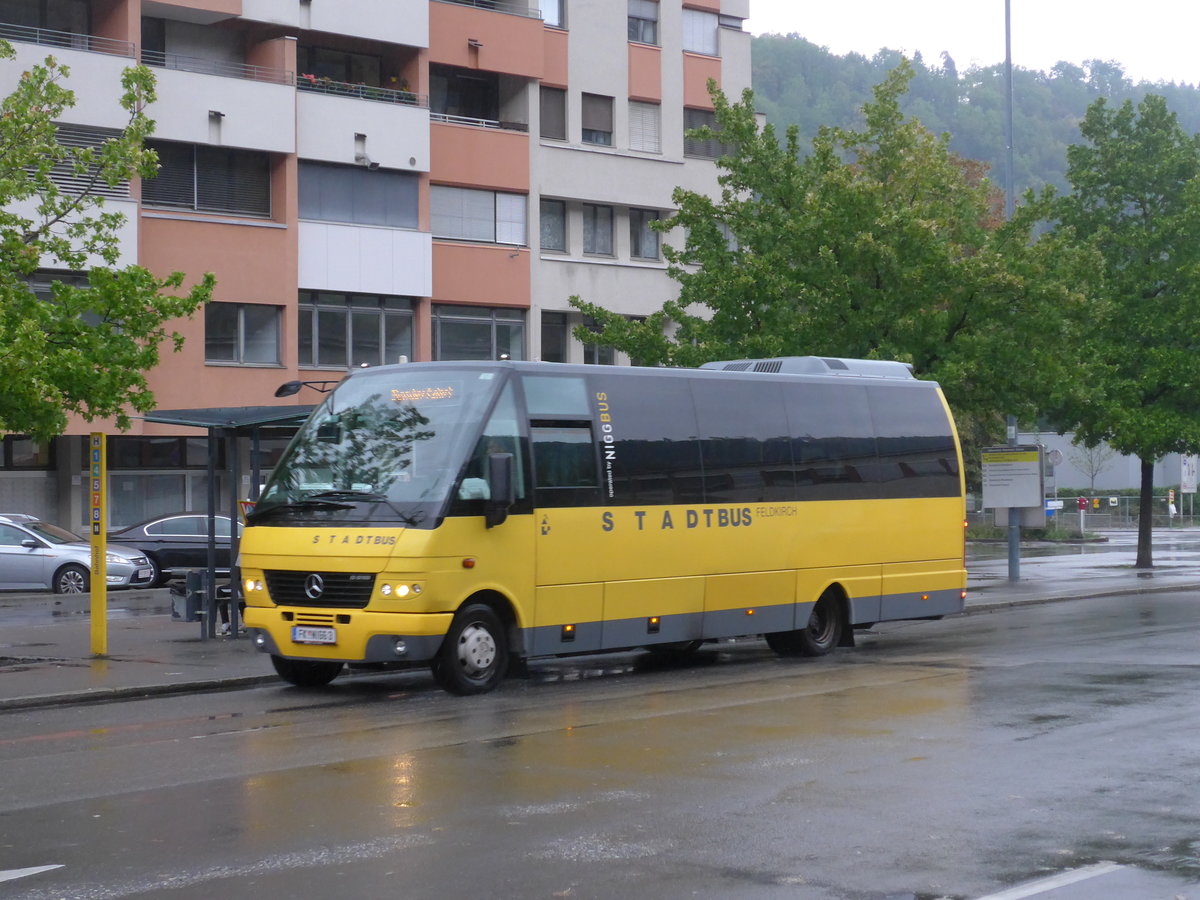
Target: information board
point(1012, 477)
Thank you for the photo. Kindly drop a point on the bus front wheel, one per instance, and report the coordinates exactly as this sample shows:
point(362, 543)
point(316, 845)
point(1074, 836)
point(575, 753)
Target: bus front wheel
point(303, 673)
point(822, 634)
point(474, 656)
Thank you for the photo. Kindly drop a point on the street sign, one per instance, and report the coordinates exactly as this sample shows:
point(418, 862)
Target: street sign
point(1188, 466)
point(1012, 477)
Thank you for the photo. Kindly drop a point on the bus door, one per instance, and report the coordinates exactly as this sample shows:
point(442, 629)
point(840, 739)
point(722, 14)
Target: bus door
point(568, 516)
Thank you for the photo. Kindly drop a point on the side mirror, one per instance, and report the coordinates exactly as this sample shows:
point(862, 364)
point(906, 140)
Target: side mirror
point(502, 488)
point(31, 544)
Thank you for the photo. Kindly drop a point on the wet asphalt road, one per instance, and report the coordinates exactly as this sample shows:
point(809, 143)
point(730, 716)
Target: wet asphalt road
point(939, 759)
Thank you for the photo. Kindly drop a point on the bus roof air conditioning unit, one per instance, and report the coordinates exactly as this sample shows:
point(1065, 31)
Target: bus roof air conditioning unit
point(817, 365)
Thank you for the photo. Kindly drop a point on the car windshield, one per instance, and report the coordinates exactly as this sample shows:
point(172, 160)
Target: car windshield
point(53, 533)
point(386, 446)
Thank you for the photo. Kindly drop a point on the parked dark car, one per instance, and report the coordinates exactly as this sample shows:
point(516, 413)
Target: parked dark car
point(177, 542)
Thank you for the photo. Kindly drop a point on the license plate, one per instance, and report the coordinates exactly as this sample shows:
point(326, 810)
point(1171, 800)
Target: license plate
point(143, 573)
point(306, 634)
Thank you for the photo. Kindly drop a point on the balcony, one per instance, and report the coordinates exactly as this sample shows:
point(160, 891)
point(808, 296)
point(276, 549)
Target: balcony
point(317, 85)
point(395, 128)
point(404, 24)
point(202, 66)
point(95, 75)
point(47, 37)
point(203, 108)
point(511, 7)
point(478, 123)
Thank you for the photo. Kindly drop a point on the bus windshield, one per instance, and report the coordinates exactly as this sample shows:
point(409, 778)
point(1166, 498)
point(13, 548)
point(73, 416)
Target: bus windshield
point(385, 447)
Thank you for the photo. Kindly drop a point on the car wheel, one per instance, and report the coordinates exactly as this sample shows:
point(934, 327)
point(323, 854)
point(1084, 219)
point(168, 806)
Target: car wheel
point(474, 656)
point(72, 579)
point(156, 574)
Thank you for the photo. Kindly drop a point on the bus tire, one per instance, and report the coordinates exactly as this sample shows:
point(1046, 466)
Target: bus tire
point(822, 634)
point(306, 673)
point(474, 656)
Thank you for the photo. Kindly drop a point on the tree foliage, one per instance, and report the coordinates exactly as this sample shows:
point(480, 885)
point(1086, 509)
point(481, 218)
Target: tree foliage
point(798, 82)
point(1136, 198)
point(877, 243)
point(87, 348)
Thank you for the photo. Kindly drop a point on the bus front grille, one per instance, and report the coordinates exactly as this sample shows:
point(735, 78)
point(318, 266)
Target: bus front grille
point(344, 590)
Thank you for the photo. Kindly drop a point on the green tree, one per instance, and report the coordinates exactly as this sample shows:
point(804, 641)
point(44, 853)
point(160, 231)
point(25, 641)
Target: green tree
point(86, 348)
point(879, 243)
point(1136, 198)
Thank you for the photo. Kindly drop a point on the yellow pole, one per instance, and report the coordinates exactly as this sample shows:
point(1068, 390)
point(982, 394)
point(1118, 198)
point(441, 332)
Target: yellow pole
point(99, 579)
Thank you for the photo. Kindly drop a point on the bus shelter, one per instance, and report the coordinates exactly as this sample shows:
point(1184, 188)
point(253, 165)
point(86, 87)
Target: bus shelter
point(227, 426)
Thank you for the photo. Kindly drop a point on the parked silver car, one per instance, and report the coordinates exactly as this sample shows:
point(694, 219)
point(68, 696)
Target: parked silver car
point(36, 555)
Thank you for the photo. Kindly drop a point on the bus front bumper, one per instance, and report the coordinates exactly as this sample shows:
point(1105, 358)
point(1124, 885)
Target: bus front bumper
point(357, 637)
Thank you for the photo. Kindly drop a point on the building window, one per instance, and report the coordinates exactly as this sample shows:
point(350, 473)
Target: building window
point(645, 127)
point(596, 354)
point(71, 16)
point(597, 229)
point(464, 93)
point(340, 65)
point(464, 214)
point(554, 225)
point(340, 331)
point(552, 13)
point(241, 333)
point(358, 195)
point(701, 118)
point(597, 119)
point(554, 114)
point(64, 175)
point(554, 337)
point(20, 452)
point(700, 32)
point(210, 179)
point(643, 239)
point(478, 332)
point(643, 21)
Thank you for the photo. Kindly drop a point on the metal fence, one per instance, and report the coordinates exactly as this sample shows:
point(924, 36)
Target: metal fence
point(51, 38)
point(1108, 515)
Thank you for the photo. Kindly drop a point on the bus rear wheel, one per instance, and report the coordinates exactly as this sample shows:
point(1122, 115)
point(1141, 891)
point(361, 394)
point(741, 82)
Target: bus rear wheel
point(305, 673)
point(818, 637)
point(474, 656)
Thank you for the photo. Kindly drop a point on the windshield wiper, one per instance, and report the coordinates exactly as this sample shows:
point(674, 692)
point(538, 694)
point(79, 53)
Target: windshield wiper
point(363, 496)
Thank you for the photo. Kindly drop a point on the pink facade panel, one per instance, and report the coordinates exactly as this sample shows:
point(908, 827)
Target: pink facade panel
point(465, 155)
point(474, 38)
point(555, 63)
point(697, 70)
point(481, 275)
point(645, 73)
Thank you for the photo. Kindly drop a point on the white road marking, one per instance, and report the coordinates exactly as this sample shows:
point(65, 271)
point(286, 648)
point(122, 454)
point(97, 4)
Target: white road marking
point(1045, 885)
point(14, 874)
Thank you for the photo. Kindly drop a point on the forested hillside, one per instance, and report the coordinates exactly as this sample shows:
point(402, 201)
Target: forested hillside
point(797, 82)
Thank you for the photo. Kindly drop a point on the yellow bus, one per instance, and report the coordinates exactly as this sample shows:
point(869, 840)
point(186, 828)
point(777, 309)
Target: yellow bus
point(469, 515)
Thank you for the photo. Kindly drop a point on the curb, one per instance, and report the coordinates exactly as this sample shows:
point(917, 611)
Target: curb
point(110, 695)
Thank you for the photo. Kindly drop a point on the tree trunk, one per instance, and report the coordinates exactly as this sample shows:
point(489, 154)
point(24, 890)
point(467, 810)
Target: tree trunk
point(1145, 551)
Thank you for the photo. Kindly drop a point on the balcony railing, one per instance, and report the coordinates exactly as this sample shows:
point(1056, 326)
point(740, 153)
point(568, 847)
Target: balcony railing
point(478, 123)
point(512, 7)
point(215, 67)
point(50, 38)
point(360, 91)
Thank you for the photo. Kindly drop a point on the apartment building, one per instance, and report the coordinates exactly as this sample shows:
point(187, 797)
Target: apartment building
point(373, 181)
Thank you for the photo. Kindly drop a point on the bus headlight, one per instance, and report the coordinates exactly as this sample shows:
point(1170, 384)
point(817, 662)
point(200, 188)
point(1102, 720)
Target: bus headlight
point(400, 591)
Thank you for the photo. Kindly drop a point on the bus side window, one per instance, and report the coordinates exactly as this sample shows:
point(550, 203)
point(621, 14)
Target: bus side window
point(564, 463)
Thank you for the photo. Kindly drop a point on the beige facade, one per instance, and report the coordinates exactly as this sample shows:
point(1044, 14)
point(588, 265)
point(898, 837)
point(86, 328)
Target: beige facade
point(377, 181)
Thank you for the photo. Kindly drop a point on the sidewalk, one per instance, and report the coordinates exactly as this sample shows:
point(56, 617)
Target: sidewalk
point(45, 639)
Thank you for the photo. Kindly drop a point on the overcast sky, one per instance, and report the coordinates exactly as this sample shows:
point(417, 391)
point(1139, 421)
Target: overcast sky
point(1153, 40)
